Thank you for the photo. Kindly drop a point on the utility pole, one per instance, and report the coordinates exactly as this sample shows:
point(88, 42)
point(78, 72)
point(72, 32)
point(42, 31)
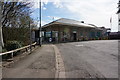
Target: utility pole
point(30, 38)
point(111, 22)
point(40, 34)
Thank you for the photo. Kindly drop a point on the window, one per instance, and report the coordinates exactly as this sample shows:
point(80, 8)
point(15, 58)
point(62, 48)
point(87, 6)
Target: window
point(48, 34)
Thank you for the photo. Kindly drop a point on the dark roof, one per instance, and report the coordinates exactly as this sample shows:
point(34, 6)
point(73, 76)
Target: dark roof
point(70, 22)
point(115, 33)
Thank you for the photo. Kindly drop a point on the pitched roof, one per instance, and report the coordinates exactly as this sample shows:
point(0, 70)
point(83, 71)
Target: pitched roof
point(70, 22)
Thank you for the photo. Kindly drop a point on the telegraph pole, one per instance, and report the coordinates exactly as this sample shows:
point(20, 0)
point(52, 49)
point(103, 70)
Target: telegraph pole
point(30, 38)
point(40, 34)
point(111, 22)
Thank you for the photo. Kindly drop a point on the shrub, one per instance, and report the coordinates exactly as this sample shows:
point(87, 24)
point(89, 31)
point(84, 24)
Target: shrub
point(4, 50)
point(11, 45)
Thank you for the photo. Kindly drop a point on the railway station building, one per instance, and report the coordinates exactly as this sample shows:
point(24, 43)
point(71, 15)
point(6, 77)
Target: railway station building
point(67, 30)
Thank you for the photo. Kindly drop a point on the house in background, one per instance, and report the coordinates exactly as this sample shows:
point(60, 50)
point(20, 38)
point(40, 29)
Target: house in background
point(65, 30)
point(35, 35)
point(114, 35)
point(105, 32)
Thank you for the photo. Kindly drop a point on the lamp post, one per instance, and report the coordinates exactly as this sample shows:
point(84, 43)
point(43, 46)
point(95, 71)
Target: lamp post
point(40, 34)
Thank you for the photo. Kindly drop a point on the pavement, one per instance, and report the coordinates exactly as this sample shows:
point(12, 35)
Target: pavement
point(90, 59)
point(39, 64)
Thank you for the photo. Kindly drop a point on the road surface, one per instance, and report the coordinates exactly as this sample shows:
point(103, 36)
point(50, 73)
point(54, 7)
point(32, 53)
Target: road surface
point(90, 59)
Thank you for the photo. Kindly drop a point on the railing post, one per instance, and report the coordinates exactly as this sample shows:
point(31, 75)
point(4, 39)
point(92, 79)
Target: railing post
point(12, 55)
point(30, 48)
point(26, 49)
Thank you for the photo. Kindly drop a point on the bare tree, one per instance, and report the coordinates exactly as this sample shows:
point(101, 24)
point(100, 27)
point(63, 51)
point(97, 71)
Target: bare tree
point(1, 36)
point(12, 13)
point(118, 7)
point(15, 20)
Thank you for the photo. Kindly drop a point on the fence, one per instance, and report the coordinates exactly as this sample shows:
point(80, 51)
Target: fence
point(19, 49)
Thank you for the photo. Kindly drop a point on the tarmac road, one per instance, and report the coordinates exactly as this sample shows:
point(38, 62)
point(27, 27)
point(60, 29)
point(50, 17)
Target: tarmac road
point(90, 59)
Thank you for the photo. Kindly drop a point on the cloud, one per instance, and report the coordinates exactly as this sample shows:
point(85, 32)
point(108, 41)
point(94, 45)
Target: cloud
point(44, 8)
point(57, 3)
point(97, 12)
point(53, 17)
point(43, 22)
point(36, 3)
point(50, 19)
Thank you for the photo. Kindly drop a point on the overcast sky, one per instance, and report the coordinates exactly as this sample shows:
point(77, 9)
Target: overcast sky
point(97, 12)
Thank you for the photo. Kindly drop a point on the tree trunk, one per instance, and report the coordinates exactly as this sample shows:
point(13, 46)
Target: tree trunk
point(1, 36)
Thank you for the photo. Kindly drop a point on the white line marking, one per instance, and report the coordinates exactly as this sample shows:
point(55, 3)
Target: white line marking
point(79, 45)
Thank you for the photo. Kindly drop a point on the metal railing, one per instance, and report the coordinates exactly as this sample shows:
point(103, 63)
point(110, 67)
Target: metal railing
point(16, 50)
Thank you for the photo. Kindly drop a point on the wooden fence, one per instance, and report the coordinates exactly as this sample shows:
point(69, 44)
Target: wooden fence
point(19, 49)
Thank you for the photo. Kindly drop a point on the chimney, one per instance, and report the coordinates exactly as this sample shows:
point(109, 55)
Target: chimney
point(82, 21)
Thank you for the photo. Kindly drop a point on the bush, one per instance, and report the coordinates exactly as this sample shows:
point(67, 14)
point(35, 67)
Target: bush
point(11, 45)
point(23, 34)
point(4, 50)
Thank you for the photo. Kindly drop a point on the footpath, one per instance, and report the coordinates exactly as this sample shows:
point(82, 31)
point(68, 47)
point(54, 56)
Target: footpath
point(43, 62)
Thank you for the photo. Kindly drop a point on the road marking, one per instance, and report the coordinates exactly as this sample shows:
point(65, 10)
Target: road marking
point(60, 69)
point(79, 45)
